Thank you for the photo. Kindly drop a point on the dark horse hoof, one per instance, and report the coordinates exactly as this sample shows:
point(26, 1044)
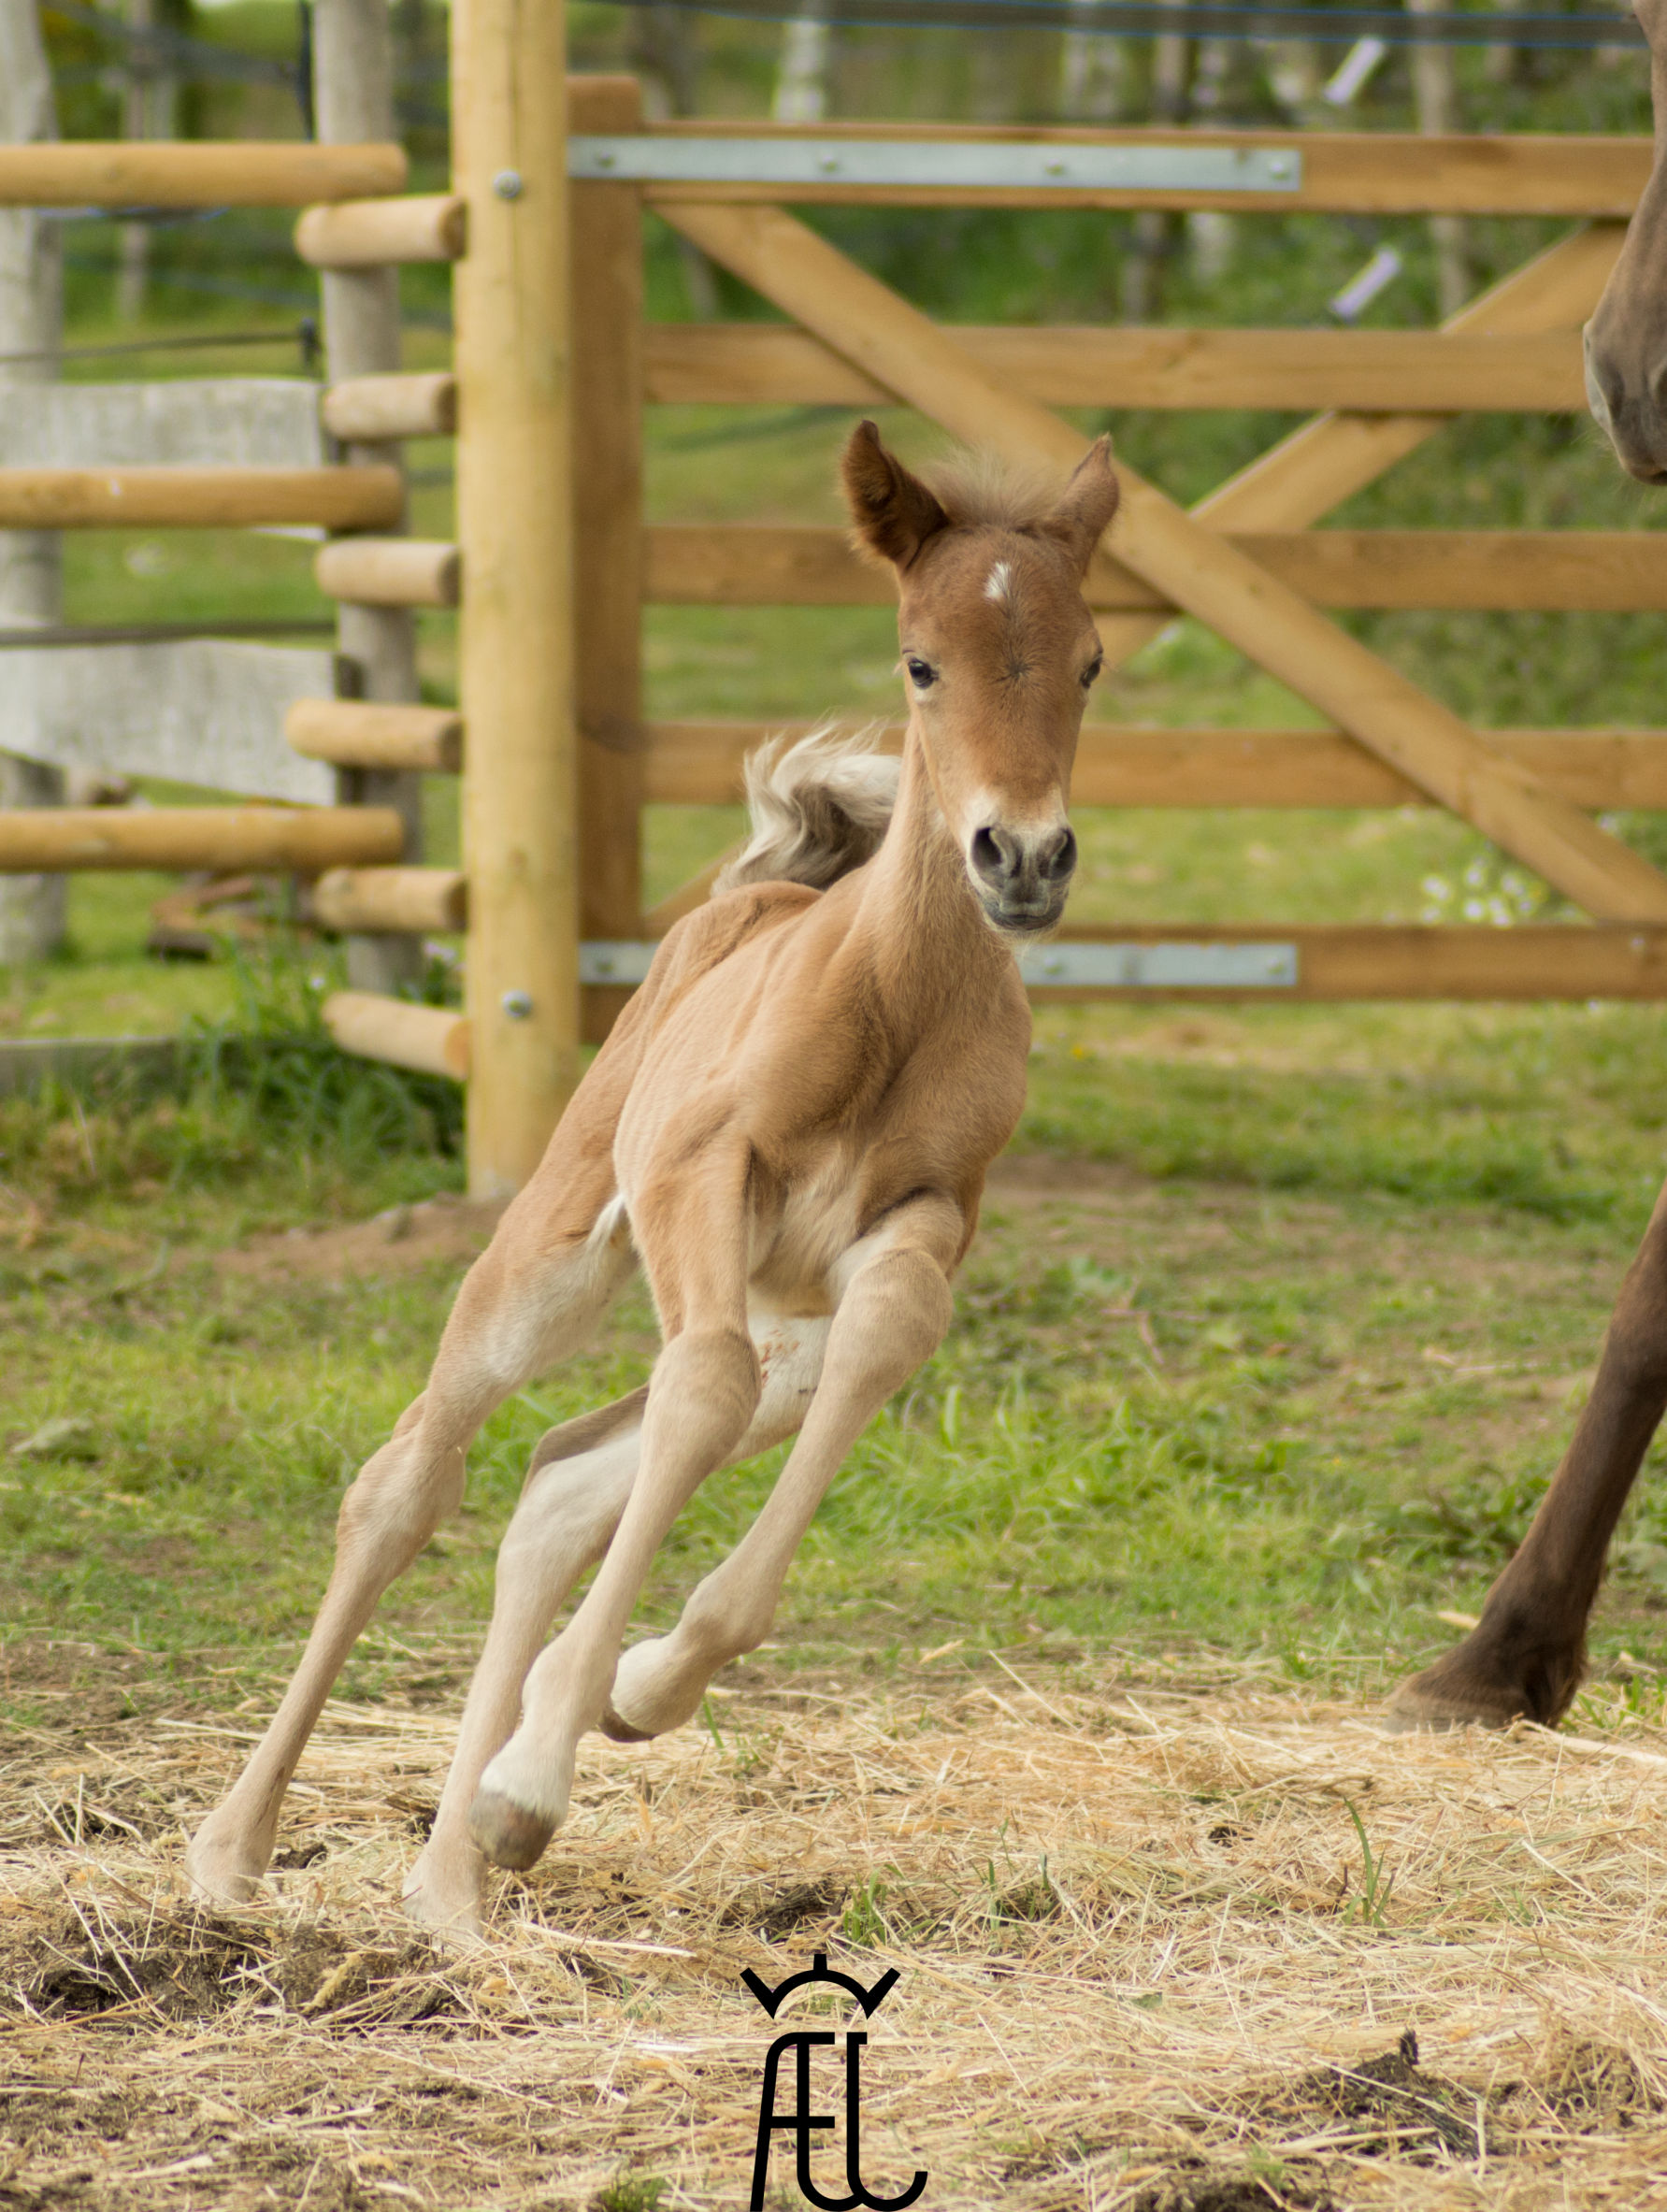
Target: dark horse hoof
point(1475, 1686)
point(507, 1832)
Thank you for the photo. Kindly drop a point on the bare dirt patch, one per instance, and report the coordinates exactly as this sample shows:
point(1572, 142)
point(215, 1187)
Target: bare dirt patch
point(1143, 1964)
point(405, 1238)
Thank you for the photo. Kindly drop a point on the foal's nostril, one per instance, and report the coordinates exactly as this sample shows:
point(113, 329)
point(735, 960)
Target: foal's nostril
point(995, 855)
point(1057, 856)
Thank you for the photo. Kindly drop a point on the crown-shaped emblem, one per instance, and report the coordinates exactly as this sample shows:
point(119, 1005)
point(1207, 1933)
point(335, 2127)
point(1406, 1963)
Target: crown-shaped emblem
point(819, 1970)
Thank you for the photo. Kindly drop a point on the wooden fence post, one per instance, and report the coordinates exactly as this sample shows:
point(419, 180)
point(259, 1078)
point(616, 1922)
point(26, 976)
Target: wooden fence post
point(31, 318)
point(353, 97)
point(515, 524)
point(608, 509)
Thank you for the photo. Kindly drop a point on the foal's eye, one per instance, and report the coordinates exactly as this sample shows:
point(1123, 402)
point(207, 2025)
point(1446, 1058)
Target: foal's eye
point(1092, 670)
point(921, 673)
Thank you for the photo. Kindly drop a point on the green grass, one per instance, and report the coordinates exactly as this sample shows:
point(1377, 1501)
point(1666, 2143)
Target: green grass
point(1281, 1374)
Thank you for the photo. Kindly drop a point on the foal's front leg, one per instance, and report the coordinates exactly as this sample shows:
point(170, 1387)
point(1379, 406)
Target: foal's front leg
point(894, 1308)
point(576, 1489)
point(691, 1227)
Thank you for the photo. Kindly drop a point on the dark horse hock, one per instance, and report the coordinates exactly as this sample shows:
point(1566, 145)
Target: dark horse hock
point(1526, 1657)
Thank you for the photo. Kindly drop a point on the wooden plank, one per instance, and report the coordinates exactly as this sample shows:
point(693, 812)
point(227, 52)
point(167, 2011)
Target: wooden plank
point(390, 571)
point(429, 1040)
point(1331, 458)
point(305, 839)
point(188, 421)
point(1130, 765)
point(1328, 461)
point(1184, 560)
point(197, 498)
point(373, 234)
point(514, 366)
point(379, 899)
point(759, 565)
point(172, 174)
point(202, 710)
point(1414, 962)
point(607, 521)
point(368, 734)
point(1344, 173)
point(369, 408)
point(1613, 571)
point(1536, 373)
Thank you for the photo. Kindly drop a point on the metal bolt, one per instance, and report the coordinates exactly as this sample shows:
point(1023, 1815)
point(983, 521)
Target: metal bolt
point(518, 1005)
point(828, 165)
point(506, 184)
point(604, 161)
point(1056, 168)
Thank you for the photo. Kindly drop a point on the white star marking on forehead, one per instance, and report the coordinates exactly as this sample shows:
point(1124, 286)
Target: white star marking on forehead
point(999, 584)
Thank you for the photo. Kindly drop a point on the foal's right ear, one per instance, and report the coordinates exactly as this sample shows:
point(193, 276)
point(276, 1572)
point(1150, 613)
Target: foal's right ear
point(893, 511)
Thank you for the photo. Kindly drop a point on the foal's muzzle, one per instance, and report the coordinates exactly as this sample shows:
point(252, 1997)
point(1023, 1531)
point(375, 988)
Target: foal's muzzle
point(1022, 875)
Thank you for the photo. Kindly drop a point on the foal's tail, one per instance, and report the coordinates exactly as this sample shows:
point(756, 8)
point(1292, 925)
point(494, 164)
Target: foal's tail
point(819, 805)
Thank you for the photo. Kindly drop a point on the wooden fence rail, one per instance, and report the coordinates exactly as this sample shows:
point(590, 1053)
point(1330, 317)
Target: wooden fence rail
point(557, 757)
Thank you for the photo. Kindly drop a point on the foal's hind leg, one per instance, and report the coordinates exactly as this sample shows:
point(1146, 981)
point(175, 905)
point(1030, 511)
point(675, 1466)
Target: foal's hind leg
point(530, 1300)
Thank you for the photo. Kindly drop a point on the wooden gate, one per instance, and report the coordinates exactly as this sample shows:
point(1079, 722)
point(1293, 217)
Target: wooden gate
point(1245, 561)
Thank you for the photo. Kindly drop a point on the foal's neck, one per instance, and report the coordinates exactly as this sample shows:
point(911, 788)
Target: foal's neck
point(925, 938)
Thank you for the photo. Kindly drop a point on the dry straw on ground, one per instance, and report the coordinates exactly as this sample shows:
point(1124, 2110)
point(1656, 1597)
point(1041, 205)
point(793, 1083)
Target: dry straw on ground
point(1165, 1945)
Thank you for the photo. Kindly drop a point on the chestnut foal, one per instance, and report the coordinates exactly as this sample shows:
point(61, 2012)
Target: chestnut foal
point(790, 1127)
point(1527, 1656)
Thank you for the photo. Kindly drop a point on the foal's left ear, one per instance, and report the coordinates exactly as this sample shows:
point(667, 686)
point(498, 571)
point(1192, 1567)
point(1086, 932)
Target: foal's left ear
point(1087, 505)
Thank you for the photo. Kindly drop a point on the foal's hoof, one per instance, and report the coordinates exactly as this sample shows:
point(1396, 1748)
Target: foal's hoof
point(620, 1730)
point(221, 1874)
point(507, 1832)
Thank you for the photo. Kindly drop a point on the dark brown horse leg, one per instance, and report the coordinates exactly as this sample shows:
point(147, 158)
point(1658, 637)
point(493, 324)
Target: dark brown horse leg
point(1526, 1657)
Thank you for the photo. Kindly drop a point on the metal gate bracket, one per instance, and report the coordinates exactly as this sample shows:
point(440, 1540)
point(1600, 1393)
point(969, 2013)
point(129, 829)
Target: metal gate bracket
point(1161, 967)
point(948, 163)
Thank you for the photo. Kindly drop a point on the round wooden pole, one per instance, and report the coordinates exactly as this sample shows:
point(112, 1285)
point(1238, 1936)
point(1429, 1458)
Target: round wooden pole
point(514, 513)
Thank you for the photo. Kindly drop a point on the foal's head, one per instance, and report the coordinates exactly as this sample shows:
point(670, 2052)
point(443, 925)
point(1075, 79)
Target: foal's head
point(999, 651)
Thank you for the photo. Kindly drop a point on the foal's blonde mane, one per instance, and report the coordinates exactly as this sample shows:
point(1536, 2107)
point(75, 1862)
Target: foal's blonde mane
point(819, 805)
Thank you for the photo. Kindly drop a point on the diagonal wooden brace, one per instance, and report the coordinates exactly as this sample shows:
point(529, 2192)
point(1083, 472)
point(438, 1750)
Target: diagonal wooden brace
point(1335, 455)
point(903, 349)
